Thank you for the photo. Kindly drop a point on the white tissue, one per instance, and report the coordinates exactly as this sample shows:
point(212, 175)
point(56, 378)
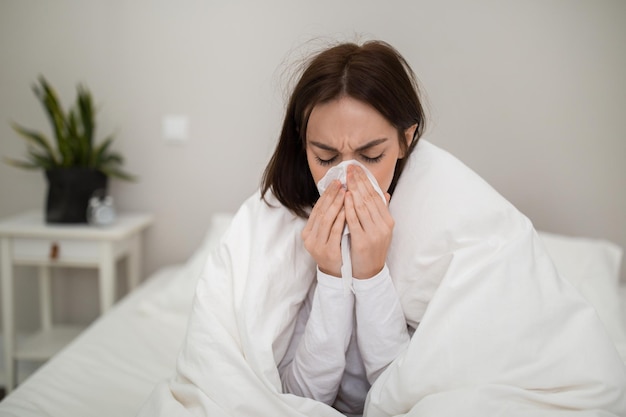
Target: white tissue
point(339, 172)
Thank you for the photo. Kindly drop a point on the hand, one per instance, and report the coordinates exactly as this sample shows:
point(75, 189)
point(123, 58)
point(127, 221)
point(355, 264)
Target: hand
point(323, 231)
point(370, 224)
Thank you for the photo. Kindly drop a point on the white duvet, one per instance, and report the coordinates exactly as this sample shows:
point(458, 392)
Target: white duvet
point(498, 332)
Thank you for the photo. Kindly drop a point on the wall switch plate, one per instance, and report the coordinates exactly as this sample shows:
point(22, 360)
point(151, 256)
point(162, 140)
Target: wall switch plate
point(175, 128)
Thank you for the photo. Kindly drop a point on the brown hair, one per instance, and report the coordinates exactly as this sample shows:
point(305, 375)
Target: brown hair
point(374, 73)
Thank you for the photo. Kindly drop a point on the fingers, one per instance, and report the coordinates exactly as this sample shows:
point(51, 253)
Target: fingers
point(322, 223)
point(351, 216)
point(322, 232)
point(365, 201)
point(370, 224)
point(336, 232)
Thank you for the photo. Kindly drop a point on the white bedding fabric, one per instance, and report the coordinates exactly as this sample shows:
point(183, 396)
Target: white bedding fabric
point(500, 333)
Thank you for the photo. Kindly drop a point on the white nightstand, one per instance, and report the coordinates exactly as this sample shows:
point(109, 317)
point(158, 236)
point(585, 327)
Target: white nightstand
point(27, 240)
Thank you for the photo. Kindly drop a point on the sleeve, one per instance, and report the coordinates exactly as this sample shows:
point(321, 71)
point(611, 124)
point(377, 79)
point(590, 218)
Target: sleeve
point(381, 328)
point(316, 358)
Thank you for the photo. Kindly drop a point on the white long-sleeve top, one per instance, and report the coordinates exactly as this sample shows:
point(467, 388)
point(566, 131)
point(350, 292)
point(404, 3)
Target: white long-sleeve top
point(342, 343)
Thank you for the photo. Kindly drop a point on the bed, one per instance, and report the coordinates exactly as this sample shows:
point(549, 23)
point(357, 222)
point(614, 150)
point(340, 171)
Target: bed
point(112, 367)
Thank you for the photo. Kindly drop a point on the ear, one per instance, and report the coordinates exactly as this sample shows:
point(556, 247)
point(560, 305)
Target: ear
point(408, 137)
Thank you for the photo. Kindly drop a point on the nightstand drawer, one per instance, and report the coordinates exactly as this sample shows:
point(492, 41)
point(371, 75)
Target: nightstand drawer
point(33, 250)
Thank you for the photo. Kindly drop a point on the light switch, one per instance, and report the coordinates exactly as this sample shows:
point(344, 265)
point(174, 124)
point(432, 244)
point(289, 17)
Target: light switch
point(175, 129)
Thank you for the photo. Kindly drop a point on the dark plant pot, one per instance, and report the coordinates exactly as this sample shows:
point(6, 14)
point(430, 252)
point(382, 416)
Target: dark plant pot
point(69, 191)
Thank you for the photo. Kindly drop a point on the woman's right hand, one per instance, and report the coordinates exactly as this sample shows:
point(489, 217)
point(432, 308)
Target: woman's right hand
point(323, 231)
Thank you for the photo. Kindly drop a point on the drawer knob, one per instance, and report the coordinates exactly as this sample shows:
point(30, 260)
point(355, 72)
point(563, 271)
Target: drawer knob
point(54, 251)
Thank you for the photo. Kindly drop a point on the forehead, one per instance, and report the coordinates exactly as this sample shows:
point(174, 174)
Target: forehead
point(347, 120)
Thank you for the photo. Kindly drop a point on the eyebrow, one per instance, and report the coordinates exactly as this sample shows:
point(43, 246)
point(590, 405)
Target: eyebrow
point(368, 145)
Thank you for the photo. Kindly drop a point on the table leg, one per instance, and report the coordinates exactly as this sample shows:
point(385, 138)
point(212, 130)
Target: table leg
point(45, 298)
point(106, 276)
point(133, 263)
point(7, 312)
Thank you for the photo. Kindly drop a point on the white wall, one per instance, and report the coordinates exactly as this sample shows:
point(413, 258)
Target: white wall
point(529, 93)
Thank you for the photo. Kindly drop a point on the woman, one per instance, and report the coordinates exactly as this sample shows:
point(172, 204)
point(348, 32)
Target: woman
point(455, 308)
point(351, 103)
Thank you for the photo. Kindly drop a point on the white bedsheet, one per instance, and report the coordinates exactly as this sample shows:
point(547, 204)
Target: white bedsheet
point(120, 390)
point(500, 333)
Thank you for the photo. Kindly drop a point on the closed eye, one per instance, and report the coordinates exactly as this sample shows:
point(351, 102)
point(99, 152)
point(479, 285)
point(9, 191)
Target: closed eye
point(373, 160)
point(325, 162)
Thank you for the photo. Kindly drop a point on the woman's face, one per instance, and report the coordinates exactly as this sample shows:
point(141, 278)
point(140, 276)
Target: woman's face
point(347, 128)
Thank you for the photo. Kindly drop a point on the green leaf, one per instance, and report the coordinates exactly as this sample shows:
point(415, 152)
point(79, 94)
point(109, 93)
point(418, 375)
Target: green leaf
point(37, 139)
point(22, 164)
point(112, 158)
point(77, 140)
point(42, 160)
point(101, 151)
point(118, 173)
point(87, 114)
point(72, 134)
point(48, 97)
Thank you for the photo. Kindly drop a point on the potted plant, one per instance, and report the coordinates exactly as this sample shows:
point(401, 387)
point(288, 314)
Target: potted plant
point(76, 168)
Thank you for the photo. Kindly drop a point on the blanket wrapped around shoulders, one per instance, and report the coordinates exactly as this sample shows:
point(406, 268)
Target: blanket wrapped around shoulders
point(497, 331)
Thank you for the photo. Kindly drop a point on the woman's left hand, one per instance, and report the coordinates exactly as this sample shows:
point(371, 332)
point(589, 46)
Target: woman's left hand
point(370, 224)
